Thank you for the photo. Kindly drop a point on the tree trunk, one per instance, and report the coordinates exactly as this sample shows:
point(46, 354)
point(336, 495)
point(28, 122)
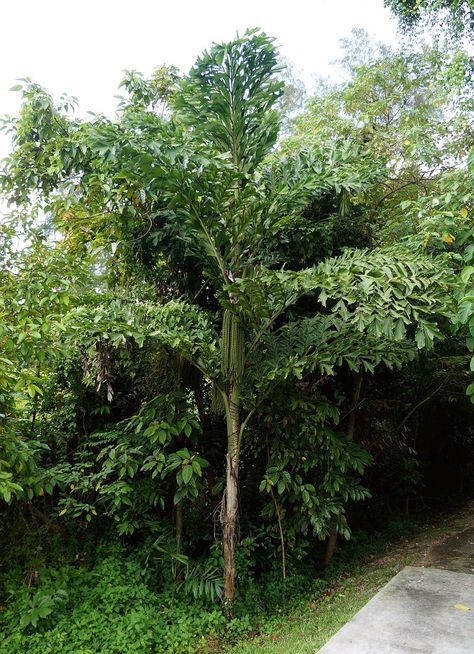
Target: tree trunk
point(354, 403)
point(35, 404)
point(282, 535)
point(179, 538)
point(331, 541)
point(230, 505)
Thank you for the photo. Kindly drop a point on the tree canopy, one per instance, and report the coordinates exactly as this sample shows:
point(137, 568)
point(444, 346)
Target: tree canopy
point(456, 15)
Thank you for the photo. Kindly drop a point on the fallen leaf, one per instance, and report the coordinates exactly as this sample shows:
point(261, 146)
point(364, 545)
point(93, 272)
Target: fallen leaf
point(461, 607)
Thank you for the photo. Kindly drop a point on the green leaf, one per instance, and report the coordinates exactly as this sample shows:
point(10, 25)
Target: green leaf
point(466, 274)
point(187, 474)
point(196, 467)
point(466, 310)
point(420, 339)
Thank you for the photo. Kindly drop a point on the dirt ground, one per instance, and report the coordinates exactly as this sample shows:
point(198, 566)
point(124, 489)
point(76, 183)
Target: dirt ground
point(453, 548)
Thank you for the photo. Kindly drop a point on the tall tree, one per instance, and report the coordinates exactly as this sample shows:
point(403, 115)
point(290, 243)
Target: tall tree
point(206, 183)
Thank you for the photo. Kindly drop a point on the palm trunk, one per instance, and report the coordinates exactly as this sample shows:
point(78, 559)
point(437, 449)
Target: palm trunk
point(233, 350)
point(230, 507)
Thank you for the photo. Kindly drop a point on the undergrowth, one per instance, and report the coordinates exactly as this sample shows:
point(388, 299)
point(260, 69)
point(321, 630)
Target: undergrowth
point(116, 602)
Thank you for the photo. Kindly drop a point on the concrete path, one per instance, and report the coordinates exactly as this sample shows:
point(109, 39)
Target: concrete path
point(420, 611)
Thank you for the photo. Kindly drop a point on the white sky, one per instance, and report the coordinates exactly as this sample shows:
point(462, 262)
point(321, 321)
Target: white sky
point(81, 48)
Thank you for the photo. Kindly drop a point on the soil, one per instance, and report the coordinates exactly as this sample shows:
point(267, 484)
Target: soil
point(454, 553)
point(454, 548)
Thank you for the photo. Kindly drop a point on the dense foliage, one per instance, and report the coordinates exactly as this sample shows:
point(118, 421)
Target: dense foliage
point(217, 344)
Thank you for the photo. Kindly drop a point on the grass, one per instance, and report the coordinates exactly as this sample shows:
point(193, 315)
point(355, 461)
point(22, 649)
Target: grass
point(312, 621)
point(306, 630)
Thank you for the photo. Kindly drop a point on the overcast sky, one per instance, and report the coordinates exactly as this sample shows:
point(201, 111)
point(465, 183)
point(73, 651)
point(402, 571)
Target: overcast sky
point(81, 48)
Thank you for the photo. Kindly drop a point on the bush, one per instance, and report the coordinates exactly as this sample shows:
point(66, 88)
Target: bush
point(110, 608)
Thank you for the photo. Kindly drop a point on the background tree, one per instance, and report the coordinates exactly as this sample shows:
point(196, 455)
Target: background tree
point(456, 15)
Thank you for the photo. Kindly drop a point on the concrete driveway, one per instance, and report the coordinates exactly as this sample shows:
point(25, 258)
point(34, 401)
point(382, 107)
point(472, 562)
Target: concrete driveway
point(420, 611)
